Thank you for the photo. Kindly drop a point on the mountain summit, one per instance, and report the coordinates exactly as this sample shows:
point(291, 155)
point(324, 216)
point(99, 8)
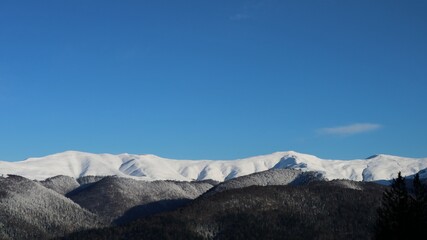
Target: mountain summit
point(150, 167)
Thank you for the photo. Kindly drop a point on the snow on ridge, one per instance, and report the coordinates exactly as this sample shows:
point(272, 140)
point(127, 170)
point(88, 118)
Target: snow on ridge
point(150, 167)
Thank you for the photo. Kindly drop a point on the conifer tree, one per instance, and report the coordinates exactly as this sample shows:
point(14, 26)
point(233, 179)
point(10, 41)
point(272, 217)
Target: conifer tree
point(402, 215)
point(420, 193)
point(393, 215)
point(419, 206)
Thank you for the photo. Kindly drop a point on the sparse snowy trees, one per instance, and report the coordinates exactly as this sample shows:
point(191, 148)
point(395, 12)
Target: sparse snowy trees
point(28, 210)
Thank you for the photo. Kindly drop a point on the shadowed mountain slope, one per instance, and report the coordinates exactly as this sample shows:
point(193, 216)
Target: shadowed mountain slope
point(318, 210)
point(114, 197)
point(268, 178)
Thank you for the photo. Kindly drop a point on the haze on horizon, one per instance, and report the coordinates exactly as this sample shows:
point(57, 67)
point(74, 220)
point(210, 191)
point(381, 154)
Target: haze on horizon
point(213, 79)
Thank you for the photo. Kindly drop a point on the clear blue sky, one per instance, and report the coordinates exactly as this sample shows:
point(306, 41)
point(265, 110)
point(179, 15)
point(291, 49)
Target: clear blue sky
point(213, 79)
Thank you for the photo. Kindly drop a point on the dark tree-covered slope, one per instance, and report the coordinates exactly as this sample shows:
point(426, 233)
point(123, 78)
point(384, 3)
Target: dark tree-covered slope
point(123, 199)
point(320, 210)
point(268, 178)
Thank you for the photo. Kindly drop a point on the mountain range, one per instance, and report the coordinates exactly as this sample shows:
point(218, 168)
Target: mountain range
point(92, 207)
point(284, 195)
point(150, 167)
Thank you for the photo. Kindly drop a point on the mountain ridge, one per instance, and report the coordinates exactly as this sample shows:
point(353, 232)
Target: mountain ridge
point(150, 167)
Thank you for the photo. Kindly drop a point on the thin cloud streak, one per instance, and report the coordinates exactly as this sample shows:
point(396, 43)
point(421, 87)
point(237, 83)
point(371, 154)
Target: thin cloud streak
point(349, 129)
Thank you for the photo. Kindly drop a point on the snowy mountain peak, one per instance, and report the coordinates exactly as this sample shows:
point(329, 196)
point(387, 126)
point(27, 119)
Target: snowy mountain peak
point(382, 156)
point(151, 167)
point(294, 154)
point(373, 156)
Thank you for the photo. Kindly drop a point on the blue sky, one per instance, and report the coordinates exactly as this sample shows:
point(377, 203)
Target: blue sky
point(213, 79)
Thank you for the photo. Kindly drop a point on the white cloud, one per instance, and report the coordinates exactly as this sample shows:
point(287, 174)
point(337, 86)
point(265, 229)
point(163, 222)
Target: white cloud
point(350, 129)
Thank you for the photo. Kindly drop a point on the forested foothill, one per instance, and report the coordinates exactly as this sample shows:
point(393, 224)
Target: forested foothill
point(259, 206)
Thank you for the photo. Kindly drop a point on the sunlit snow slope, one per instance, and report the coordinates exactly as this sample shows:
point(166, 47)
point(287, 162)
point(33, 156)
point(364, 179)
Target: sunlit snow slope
point(150, 167)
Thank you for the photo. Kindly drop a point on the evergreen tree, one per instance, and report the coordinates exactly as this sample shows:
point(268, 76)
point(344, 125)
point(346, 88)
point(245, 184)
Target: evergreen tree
point(402, 215)
point(420, 193)
point(419, 206)
point(393, 215)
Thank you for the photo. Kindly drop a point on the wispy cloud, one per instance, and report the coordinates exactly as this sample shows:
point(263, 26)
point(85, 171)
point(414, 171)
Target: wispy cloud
point(349, 129)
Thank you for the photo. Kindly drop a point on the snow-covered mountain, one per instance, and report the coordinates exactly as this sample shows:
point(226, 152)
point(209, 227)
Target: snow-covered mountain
point(151, 167)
